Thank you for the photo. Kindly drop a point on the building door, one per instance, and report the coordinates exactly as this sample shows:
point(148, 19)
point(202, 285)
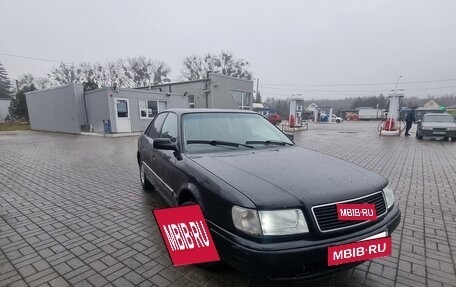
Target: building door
point(122, 115)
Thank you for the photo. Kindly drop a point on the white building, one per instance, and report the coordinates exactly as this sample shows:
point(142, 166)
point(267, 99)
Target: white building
point(430, 105)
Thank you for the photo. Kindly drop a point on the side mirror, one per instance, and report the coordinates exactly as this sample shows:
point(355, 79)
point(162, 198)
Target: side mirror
point(165, 143)
point(290, 136)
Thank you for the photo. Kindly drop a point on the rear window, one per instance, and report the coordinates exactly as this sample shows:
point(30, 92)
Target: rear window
point(438, 118)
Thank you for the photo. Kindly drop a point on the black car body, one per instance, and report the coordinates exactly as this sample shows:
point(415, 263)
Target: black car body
point(436, 125)
point(274, 179)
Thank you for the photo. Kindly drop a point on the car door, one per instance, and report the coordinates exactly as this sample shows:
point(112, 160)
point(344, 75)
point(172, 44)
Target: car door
point(147, 150)
point(165, 160)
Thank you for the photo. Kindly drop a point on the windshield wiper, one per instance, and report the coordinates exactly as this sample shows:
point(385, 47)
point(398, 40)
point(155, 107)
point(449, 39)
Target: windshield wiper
point(217, 142)
point(269, 142)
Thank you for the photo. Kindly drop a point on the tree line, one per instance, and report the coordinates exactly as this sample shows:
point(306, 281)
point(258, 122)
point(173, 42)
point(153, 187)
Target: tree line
point(135, 72)
point(132, 72)
point(142, 71)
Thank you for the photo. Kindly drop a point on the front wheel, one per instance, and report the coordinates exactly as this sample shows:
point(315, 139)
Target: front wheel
point(420, 137)
point(208, 265)
point(142, 176)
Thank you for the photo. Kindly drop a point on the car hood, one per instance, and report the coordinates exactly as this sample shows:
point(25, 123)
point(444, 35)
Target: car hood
point(290, 176)
point(438, 125)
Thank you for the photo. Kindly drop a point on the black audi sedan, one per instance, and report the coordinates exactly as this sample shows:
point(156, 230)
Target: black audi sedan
point(269, 204)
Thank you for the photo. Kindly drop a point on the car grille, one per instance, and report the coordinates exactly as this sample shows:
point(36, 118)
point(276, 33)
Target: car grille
point(326, 215)
point(440, 129)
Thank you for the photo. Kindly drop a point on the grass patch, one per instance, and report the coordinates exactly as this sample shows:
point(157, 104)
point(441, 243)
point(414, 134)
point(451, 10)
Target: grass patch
point(14, 126)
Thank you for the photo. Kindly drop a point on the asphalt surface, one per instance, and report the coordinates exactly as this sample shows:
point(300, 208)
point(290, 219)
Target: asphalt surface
point(72, 212)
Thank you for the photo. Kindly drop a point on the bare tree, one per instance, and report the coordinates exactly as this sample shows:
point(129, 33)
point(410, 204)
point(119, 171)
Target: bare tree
point(65, 74)
point(196, 67)
point(38, 82)
point(133, 72)
point(142, 72)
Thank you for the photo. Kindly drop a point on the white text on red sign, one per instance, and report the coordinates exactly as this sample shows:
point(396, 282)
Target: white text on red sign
point(184, 236)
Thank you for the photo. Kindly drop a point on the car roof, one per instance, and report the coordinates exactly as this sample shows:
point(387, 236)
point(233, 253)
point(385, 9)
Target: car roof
point(198, 111)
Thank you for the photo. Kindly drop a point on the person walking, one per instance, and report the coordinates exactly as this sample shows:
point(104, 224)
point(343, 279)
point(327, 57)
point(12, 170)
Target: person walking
point(408, 121)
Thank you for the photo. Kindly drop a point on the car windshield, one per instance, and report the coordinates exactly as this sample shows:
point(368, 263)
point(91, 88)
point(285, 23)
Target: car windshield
point(438, 118)
point(219, 131)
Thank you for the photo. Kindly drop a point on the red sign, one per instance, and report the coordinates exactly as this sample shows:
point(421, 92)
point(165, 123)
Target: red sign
point(359, 251)
point(186, 235)
point(356, 211)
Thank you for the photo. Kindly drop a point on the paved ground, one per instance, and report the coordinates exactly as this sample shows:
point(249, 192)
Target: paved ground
point(72, 212)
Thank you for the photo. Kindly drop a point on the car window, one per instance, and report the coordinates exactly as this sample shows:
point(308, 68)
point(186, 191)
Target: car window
point(228, 127)
point(169, 129)
point(438, 118)
point(153, 131)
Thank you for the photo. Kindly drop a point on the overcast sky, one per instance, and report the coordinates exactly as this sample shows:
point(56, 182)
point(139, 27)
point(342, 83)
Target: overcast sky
point(292, 46)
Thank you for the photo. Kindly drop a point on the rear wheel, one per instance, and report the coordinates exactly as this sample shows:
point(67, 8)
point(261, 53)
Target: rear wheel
point(337, 121)
point(142, 176)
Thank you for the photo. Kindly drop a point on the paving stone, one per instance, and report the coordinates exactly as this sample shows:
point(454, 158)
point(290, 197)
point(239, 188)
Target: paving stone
point(70, 222)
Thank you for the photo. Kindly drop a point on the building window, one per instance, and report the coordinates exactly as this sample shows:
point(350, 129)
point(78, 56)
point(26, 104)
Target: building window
point(242, 99)
point(149, 108)
point(122, 108)
point(191, 101)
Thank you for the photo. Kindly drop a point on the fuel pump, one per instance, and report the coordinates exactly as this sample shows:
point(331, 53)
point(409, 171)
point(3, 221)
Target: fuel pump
point(296, 104)
point(392, 124)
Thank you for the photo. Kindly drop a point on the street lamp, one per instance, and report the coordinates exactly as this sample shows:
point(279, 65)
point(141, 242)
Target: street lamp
point(397, 83)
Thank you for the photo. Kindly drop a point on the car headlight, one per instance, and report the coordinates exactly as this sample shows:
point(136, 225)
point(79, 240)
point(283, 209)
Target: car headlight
point(270, 222)
point(283, 222)
point(451, 129)
point(389, 196)
point(426, 128)
point(246, 220)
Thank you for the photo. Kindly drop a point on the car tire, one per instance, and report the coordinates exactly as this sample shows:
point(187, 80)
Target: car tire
point(208, 265)
point(189, 202)
point(145, 183)
point(420, 137)
point(338, 121)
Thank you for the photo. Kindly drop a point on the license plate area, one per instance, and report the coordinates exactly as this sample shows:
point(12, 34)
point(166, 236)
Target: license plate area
point(372, 247)
point(439, 133)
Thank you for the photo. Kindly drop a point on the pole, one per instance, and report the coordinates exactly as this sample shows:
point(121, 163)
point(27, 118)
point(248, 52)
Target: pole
point(257, 92)
point(397, 83)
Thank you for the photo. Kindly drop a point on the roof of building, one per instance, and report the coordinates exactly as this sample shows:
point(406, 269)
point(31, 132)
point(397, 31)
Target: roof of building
point(192, 81)
point(195, 111)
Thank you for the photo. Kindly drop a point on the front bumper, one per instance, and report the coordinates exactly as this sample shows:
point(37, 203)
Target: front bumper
point(299, 259)
point(433, 133)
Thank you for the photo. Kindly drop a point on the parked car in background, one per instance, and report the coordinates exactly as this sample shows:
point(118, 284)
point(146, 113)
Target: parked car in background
point(336, 119)
point(276, 222)
point(436, 125)
point(274, 119)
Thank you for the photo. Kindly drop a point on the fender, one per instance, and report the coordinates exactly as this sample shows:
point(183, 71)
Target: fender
point(193, 190)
